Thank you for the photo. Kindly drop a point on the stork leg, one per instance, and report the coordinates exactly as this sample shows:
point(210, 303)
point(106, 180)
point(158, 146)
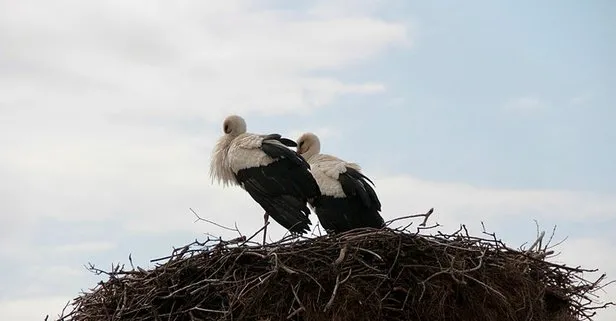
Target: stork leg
point(265, 219)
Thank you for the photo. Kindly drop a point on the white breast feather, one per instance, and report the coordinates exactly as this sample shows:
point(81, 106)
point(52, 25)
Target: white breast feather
point(326, 170)
point(219, 166)
point(245, 152)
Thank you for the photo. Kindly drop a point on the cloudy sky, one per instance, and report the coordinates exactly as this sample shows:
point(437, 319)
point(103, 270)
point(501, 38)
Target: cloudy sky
point(486, 111)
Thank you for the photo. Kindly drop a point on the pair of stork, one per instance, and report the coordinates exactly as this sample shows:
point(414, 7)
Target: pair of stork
point(283, 181)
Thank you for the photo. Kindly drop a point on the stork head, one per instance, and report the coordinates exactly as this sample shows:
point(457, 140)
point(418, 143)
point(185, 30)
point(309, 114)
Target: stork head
point(234, 125)
point(308, 145)
point(220, 171)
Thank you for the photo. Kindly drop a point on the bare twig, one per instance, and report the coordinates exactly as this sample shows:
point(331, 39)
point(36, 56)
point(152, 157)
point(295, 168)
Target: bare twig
point(424, 215)
point(296, 298)
point(338, 283)
point(342, 254)
point(537, 242)
point(255, 233)
point(199, 218)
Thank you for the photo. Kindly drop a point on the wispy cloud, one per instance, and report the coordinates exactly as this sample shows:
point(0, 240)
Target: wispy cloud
point(89, 247)
point(324, 133)
point(188, 59)
point(582, 99)
point(32, 308)
point(466, 202)
point(525, 104)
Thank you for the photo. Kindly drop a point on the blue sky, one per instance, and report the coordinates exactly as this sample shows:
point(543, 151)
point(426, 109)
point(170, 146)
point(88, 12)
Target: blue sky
point(468, 64)
point(488, 111)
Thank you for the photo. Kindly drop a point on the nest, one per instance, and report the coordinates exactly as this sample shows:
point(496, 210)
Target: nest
point(364, 274)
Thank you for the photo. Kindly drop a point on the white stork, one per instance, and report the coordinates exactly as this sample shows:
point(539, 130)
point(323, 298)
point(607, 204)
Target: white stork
point(347, 200)
point(275, 176)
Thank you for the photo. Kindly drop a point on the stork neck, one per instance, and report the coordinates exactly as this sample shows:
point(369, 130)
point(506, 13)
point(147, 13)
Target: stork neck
point(310, 153)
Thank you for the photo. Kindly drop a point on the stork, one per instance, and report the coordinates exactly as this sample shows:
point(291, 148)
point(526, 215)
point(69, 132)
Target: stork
point(347, 200)
point(275, 176)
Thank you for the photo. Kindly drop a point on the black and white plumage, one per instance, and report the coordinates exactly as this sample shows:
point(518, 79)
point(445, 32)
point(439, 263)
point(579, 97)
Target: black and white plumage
point(275, 176)
point(347, 199)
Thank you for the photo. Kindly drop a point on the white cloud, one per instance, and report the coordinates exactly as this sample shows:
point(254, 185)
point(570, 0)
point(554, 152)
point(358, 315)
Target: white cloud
point(592, 249)
point(339, 8)
point(32, 308)
point(592, 253)
point(469, 202)
point(47, 280)
point(94, 96)
point(525, 104)
point(582, 99)
point(323, 132)
point(89, 247)
point(194, 59)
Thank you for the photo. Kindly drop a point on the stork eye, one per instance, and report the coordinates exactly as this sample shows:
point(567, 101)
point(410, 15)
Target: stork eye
point(301, 144)
point(226, 129)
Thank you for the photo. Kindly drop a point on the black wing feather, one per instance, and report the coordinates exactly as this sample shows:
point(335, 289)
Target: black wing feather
point(341, 214)
point(285, 141)
point(360, 207)
point(354, 183)
point(335, 213)
point(277, 151)
point(288, 142)
point(283, 187)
